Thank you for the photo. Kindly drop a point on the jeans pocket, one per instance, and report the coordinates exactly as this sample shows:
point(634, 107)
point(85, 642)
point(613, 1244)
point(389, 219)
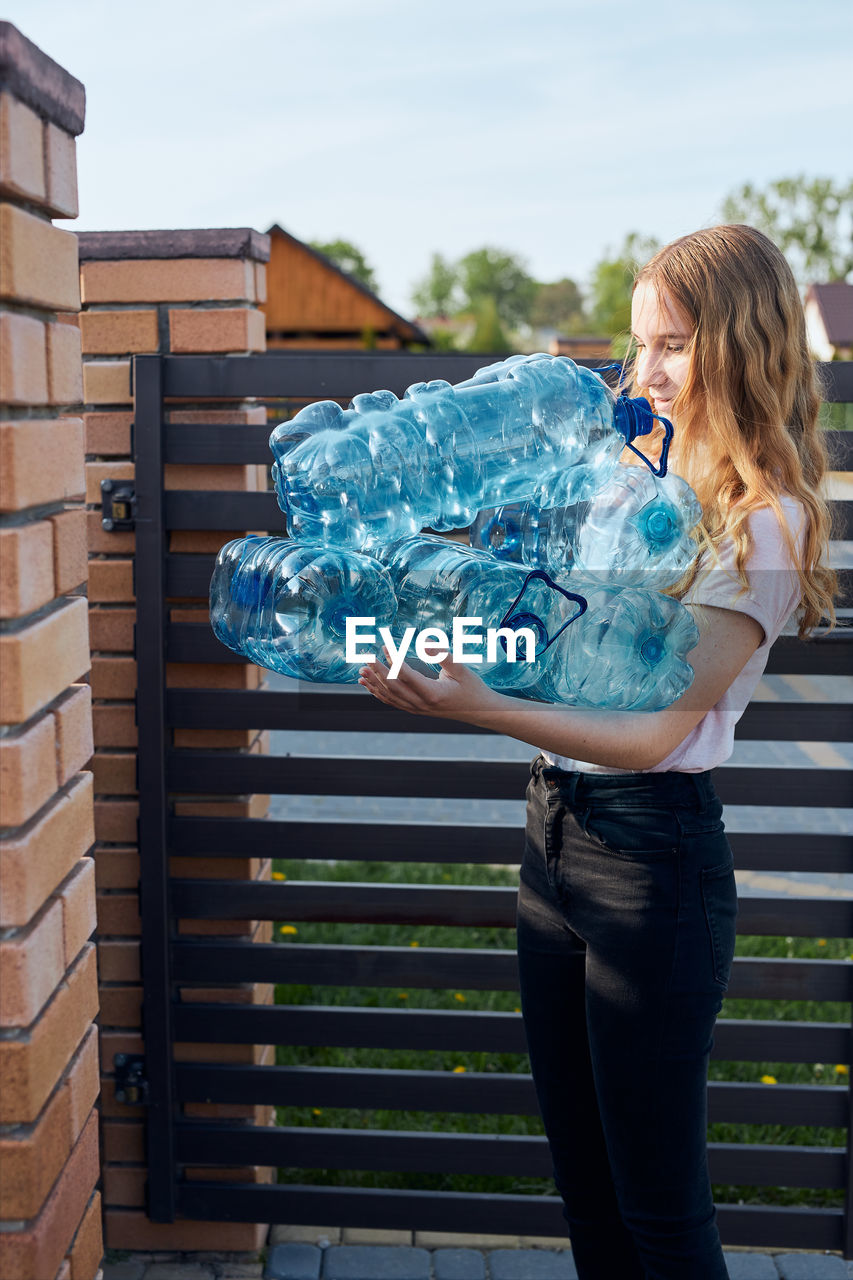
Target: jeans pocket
point(643, 834)
point(719, 900)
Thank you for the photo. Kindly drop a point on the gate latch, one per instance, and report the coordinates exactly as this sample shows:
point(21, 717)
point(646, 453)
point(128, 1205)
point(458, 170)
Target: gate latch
point(131, 1083)
point(118, 505)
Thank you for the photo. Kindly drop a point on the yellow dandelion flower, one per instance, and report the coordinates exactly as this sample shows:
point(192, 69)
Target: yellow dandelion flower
point(842, 1069)
point(414, 943)
point(279, 875)
point(517, 1009)
point(457, 995)
point(315, 1111)
point(288, 928)
point(769, 1080)
point(402, 995)
point(458, 1070)
point(821, 942)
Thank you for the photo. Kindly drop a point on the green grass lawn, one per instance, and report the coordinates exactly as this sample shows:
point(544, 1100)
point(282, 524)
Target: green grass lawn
point(829, 1075)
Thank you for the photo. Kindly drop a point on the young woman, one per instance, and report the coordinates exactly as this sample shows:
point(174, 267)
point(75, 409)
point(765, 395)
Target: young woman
point(627, 904)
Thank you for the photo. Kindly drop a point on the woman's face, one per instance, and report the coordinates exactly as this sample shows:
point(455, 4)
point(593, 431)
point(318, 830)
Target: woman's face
point(662, 333)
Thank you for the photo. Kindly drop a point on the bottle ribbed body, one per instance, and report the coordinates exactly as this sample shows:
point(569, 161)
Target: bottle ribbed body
point(385, 468)
point(284, 604)
point(635, 529)
point(628, 651)
point(436, 580)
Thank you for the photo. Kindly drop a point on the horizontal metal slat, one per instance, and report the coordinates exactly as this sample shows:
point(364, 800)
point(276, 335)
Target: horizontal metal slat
point(338, 1026)
point(796, 722)
point(226, 509)
point(386, 1150)
point(469, 967)
point(335, 376)
point(237, 510)
point(829, 653)
point(416, 967)
point(836, 380)
point(792, 851)
point(217, 442)
point(466, 906)
point(459, 843)
point(496, 1154)
point(189, 575)
point(830, 917)
point(209, 771)
point(309, 375)
point(788, 721)
point(785, 1226)
point(479, 1092)
point(345, 841)
point(213, 771)
point(842, 518)
point(241, 444)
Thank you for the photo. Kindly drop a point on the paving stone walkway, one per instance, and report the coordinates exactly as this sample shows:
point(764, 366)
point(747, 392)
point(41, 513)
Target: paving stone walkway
point(299, 1261)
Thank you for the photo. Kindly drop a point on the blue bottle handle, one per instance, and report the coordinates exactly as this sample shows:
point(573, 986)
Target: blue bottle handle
point(634, 417)
point(570, 595)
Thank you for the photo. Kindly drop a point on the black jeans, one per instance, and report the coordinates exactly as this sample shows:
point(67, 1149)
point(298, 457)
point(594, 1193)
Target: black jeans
point(626, 932)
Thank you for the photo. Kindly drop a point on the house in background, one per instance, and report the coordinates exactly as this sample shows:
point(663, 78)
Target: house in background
point(580, 347)
point(829, 320)
point(311, 303)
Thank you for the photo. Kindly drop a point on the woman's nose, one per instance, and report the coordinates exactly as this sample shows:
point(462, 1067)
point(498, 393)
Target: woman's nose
point(647, 363)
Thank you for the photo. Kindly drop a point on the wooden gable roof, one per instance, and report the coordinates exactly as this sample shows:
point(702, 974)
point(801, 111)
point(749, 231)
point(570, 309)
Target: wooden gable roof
point(308, 296)
point(835, 304)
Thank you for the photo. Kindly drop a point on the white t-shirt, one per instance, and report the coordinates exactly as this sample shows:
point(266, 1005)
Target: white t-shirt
point(773, 595)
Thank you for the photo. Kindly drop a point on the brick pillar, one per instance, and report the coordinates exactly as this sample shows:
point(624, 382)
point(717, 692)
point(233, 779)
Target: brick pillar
point(50, 1212)
point(186, 292)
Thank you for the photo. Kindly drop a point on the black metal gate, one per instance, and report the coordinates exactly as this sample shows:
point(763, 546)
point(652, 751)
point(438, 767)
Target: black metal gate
point(169, 960)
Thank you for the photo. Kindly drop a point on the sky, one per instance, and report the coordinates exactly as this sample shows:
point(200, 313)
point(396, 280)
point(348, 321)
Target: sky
point(548, 128)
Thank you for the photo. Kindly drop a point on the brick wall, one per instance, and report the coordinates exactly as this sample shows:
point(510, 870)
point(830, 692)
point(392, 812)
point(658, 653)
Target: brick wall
point(180, 292)
point(50, 1211)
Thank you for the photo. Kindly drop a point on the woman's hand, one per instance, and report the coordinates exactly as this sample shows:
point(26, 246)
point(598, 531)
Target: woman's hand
point(457, 694)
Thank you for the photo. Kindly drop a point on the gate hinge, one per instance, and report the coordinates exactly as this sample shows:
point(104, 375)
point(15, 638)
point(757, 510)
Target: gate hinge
point(131, 1083)
point(118, 505)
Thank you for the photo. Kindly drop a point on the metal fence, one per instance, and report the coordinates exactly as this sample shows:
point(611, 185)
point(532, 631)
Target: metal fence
point(171, 961)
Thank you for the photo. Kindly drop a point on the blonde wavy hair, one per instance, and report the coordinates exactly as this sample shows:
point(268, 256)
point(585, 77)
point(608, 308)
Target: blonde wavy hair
point(747, 413)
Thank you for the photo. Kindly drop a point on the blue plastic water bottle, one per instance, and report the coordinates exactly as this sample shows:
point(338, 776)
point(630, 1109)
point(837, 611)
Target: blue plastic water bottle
point(443, 452)
point(284, 604)
point(628, 651)
point(437, 580)
point(635, 529)
point(595, 644)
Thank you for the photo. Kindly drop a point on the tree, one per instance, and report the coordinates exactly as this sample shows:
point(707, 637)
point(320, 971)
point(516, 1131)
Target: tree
point(349, 258)
point(611, 285)
point(811, 220)
point(558, 306)
point(493, 273)
point(437, 294)
point(488, 334)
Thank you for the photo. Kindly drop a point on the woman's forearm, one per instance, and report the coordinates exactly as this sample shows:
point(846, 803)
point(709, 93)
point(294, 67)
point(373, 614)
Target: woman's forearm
point(622, 739)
